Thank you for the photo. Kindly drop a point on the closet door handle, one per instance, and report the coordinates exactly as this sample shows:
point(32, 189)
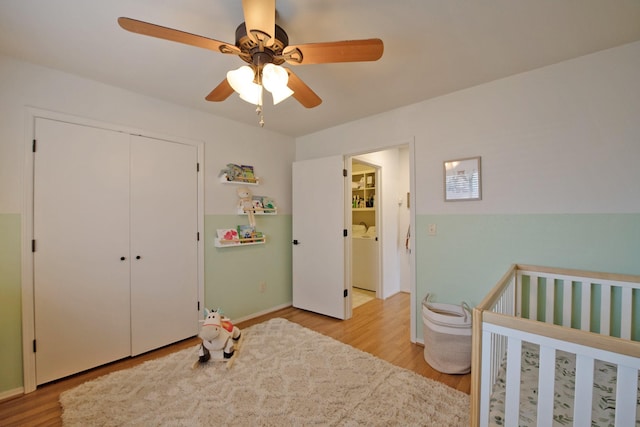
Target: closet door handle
point(295, 242)
point(138, 257)
point(122, 258)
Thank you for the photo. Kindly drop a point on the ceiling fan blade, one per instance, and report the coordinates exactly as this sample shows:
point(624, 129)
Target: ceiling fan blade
point(329, 52)
point(153, 30)
point(221, 92)
point(260, 20)
point(301, 92)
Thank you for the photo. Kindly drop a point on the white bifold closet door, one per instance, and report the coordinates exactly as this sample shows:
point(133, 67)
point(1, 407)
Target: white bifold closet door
point(115, 261)
point(164, 257)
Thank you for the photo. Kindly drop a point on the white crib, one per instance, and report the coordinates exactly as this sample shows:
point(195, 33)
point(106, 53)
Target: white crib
point(541, 325)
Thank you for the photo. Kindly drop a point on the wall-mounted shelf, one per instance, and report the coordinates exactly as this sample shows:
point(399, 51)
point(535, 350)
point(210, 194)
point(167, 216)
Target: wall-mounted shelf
point(259, 211)
point(239, 181)
point(363, 209)
point(248, 204)
point(222, 243)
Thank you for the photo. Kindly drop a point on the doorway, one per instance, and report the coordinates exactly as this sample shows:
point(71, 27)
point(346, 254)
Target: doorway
point(365, 245)
point(321, 224)
point(379, 209)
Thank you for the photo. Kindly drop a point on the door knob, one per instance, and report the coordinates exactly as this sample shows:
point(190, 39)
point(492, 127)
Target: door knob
point(138, 257)
point(295, 242)
point(122, 258)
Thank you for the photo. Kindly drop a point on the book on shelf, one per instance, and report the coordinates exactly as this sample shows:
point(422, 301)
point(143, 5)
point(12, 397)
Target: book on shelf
point(268, 204)
point(227, 234)
point(248, 233)
point(239, 173)
point(256, 202)
point(247, 173)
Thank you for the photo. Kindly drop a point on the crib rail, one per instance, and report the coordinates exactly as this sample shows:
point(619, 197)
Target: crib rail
point(501, 300)
point(552, 338)
point(569, 310)
point(598, 302)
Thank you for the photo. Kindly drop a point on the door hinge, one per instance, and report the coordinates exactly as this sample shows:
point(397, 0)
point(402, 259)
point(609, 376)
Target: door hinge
point(34, 346)
point(198, 236)
point(344, 172)
point(344, 232)
point(346, 293)
point(197, 167)
point(33, 245)
point(33, 148)
point(198, 305)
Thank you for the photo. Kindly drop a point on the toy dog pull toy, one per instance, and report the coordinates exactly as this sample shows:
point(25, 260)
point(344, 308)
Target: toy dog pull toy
point(220, 339)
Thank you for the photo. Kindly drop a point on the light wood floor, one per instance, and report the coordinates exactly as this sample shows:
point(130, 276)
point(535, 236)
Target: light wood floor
point(378, 327)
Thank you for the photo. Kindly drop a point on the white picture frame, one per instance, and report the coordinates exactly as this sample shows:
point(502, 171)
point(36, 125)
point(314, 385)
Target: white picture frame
point(462, 179)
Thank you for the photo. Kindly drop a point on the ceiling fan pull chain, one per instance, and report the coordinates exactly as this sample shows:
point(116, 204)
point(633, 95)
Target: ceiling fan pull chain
point(259, 112)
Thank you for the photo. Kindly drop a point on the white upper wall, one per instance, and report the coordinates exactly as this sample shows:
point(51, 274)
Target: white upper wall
point(26, 85)
point(560, 139)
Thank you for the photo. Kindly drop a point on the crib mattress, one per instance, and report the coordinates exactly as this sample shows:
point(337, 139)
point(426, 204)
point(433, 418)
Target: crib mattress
point(603, 407)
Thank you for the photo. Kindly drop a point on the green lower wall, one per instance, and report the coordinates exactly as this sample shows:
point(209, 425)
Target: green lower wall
point(10, 306)
point(233, 274)
point(462, 262)
point(232, 280)
point(470, 253)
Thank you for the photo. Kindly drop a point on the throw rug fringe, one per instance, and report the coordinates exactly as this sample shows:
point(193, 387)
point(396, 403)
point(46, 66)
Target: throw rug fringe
point(286, 375)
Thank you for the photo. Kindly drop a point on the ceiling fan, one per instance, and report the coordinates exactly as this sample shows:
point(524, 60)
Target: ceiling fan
point(265, 46)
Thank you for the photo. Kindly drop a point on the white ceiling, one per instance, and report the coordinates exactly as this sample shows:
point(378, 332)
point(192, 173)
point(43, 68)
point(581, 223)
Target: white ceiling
point(432, 47)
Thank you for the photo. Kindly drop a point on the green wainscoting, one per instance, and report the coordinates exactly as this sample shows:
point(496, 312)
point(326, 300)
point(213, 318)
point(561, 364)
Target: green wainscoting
point(462, 261)
point(10, 303)
point(232, 280)
point(233, 274)
point(470, 253)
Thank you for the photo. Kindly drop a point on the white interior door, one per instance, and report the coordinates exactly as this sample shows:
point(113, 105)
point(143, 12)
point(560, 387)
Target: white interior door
point(164, 251)
point(81, 261)
point(319, 243)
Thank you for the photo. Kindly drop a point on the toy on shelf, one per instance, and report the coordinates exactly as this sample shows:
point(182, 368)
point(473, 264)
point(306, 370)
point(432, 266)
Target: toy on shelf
point(260, 205)
point(245, 204)
point(220, 339)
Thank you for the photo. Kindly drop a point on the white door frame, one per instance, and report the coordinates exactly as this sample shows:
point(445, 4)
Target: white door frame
point(379, 215)
point(28, 324)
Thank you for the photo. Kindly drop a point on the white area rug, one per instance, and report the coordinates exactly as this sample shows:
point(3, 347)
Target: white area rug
point(284, 375)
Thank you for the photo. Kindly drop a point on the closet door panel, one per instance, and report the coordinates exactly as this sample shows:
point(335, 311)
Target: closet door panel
point(164, 285)
point(81, 228)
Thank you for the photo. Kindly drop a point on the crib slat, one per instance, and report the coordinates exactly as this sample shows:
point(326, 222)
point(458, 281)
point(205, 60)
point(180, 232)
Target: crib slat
point(585, 307)
point(583, 390)
point(550, 298)
point(512, 389)
point(533, 297)
point(625, 318)
point(545, 386)
point(626, 395)
point(487, 375)
point(567, 303)
point(518, 290)
point(605, 309)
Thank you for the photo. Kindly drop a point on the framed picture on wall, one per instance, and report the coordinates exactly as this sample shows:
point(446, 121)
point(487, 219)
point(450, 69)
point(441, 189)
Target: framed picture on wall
point(462, 180)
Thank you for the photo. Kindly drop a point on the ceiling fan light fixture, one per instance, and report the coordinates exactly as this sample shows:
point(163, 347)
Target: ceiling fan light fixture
point(275, 80)
point(281, 94)
point(241, 80)
point(252, 94)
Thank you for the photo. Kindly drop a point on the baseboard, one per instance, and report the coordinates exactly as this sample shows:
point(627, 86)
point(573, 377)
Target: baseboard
point(9, 394)
point(261, 313)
